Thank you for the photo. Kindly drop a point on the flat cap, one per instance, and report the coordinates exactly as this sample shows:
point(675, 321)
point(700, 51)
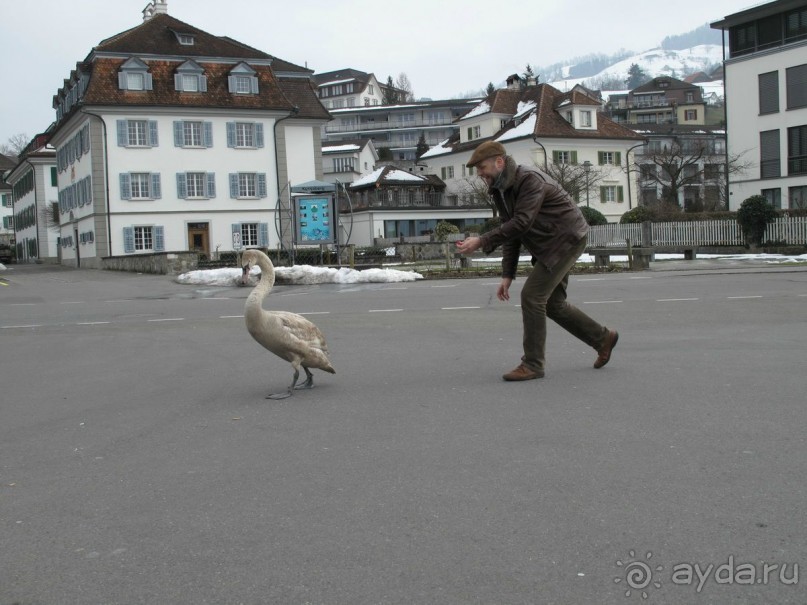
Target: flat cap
point(488, 149)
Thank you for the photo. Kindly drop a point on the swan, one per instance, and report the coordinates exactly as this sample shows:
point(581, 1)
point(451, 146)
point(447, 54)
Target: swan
point(288, 335)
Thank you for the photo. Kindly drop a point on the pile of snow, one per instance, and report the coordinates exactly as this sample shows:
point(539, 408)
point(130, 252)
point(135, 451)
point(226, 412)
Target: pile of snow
point(299, 275)
point(2, 267)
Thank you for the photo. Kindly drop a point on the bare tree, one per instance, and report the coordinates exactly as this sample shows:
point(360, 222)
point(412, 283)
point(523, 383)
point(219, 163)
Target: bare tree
point(49, 216)
point(477, 190)
point(683, 164)
point(15, 145)
point(575, 179)
point(405, 85)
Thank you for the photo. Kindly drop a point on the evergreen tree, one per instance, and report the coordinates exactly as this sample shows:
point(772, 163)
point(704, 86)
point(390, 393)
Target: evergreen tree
point(490, 89)
point(389, 97)
point(422, 146)
point(529, 73)
point(636, 77)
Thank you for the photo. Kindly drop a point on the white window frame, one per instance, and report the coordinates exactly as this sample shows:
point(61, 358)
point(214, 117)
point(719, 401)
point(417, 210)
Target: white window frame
point(245, 135)
point(137, 133)
point(196, 185)
point(140, 186)
point(135, 80)
point(143, 238)
point(249, 234)
point(585, 119)
point(247, 185)
point(192, 135)
point(243, 85)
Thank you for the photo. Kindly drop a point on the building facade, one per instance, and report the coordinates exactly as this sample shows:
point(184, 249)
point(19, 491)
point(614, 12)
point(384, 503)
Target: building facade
point(562, 133)
point(396, 129)
point(34, 190)
point(765, 50)
point(168, 138)
point(6, 202)
point(662, 100)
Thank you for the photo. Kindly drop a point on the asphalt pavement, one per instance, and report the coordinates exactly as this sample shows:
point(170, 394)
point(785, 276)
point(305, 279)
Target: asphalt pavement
point(141, 463)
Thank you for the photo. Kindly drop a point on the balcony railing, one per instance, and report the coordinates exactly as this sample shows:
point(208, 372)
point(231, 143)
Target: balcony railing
point(399, 199)
point(387, 125)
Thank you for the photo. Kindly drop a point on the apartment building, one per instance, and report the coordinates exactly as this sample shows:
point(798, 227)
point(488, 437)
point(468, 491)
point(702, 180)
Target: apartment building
point(662, 100)
point(563, 133)
point(169, 138)
point(34, 191)
point(396, 129)
point(765, 50)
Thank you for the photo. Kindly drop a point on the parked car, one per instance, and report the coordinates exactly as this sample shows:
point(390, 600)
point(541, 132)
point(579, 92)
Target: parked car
point(6, 253)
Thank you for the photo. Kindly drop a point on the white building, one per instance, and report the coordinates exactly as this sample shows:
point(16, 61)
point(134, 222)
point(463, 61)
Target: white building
point(351, 88)
point(766, 101)
point(33, 184)
point(170, 139)
point(544, 127)
point(6, 202)
point(345, 161)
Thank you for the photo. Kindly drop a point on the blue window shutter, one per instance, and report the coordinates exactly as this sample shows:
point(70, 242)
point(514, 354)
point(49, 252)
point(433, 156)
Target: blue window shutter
point(618, 158)
point(620, 194)
point(122, 80)
point(261, 185)
point(574, 158)
point(231, 83)
point(178, 82)
point(182, 186)
point(253, 85)
point(602, 194)
point(149, 82)
point(555, 157)
point(159, 239)
point(179, 134)
point(128, 239)
point(258, 134)
point(207, 134)
point(153, 140)
point(202, 83)
point(211, 184)
point(156, 191)
point(263, 234)
point(123, 133)
point(86, 138)
point(234, 184)
point(230, 134)
point(125, 186)
point(600, 158)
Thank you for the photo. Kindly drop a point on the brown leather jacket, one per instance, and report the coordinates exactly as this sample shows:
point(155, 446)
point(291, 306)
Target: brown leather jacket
point(537, 213)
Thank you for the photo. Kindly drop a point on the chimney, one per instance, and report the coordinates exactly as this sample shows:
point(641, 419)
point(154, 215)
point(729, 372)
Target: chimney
point(156, 7)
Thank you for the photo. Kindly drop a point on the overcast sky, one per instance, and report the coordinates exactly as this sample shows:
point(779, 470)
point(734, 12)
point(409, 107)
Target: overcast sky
point(446, 47)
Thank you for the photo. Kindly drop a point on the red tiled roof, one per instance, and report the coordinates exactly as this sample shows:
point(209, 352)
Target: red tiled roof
point(103, 88)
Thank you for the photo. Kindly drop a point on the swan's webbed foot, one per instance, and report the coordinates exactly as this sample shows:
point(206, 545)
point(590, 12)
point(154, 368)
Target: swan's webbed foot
point(282, 395)
point(309, 380)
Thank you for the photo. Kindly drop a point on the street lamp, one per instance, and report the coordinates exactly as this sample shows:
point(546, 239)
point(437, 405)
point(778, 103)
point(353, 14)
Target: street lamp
point(587, 170)
point(627, 166)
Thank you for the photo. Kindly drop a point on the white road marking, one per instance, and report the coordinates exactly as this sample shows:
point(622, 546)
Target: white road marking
point(742, 297)
point(231, 317)
point(92, 323)
point(458, 308)
point(446, 286)
point(315, 313)
point(71, 302)
point(601, 302)
point(674, 299)
point(168, 319)
point(384, 310)
point(26, 326)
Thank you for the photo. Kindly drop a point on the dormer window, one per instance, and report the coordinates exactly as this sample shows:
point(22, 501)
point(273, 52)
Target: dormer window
point(243, 80)
point(186, 39)
point(585, 119)
point(190, 78)
point(134, 75)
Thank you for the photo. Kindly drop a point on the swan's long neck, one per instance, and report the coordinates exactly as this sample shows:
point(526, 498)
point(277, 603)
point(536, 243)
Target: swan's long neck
point(264, 285)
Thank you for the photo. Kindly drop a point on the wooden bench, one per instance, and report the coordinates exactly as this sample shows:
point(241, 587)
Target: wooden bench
point(639, 257)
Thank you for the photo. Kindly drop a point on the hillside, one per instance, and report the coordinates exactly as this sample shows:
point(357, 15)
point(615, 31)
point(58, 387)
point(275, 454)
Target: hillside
point(654, 63)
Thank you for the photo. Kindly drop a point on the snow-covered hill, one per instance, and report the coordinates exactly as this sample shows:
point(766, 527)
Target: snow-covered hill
point(654, 63)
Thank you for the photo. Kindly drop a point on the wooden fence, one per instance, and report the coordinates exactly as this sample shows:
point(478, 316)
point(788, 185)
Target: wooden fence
point(790, 231)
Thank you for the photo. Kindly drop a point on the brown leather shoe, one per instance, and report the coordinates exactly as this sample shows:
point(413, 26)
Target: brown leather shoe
point(607, 346)
point(522, 372)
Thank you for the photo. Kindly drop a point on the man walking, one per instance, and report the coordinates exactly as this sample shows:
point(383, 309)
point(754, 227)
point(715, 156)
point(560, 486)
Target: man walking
point(540, 215)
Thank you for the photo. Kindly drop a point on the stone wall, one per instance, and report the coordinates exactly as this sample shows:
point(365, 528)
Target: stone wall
point(160, 263)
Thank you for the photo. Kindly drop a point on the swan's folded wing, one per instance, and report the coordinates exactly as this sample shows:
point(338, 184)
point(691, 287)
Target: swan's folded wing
point(301, 333)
